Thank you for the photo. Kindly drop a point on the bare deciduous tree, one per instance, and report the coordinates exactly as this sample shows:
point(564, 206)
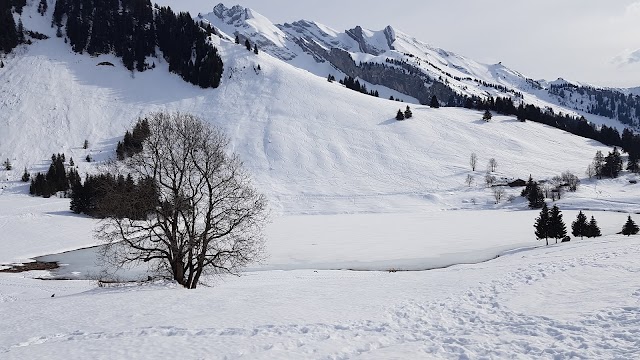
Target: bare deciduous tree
point(498, 194)
point(208, 219)
point(473, 161)
point(570, 180)
point(489, 179)
point(591, 171)
point(493, 165)
point(469, 180)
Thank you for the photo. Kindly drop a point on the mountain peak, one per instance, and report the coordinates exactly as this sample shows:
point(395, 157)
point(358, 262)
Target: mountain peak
point(237, 14)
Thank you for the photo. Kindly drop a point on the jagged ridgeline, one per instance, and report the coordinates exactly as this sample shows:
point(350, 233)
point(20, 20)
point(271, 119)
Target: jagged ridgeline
point(131, 29)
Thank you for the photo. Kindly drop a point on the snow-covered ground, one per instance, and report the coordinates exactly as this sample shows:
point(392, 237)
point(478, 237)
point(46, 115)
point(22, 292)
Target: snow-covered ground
point(577, 300)
point(354, 194)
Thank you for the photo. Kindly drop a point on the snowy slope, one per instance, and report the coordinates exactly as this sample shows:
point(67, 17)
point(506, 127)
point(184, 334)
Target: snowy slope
point(313, 146)
point(308, 45)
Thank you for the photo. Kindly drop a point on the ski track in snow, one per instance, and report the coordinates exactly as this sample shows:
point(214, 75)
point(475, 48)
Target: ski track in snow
point(474, 325)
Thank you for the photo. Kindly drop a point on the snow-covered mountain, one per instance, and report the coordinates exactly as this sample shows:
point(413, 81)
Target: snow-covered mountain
point(313, 146)
point(398, 61)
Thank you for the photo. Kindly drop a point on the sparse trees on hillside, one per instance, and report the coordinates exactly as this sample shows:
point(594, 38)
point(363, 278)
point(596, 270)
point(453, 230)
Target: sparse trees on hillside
point(209, 218)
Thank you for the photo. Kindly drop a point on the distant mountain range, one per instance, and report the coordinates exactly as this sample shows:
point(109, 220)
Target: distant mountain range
point(400, 62)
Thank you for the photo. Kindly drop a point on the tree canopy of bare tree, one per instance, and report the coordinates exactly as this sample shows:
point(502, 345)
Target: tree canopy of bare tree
point(207, 218)
point(473, 161)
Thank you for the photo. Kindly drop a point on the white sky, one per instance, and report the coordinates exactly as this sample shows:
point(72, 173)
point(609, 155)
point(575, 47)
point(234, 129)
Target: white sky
point(593, 41)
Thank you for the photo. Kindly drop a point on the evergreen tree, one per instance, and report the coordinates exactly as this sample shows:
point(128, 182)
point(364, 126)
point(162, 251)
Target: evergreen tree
point(7, 165)
point(535, 197)
point(542, 224)
point(487, 115)
point(632, 163)
point(580, 227)
point(434, 102)
point(557, 228)
point(528, 187)
point(255, 49)
point(247, 44)
point(593, 230)
point(407, 113)
point(598, 163)
point(20, 31)
point(400, 115)
point(630, 227)
point(1, 64)
point(612, 164)
point(237, 39)
point(26, 176)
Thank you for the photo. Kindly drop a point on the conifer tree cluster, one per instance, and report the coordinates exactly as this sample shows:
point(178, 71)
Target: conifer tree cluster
point(609, 166)
point(355, 85)
point(549, 224)
point(407, 114)
point(89, 197)
point(9, 37)
point(133, 141)
point(55, 180)
point(580, 227)
point(131, 30)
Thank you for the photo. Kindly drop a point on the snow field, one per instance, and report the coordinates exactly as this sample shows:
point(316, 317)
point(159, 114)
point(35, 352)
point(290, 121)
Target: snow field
point(489, 310)
point(350, 188)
